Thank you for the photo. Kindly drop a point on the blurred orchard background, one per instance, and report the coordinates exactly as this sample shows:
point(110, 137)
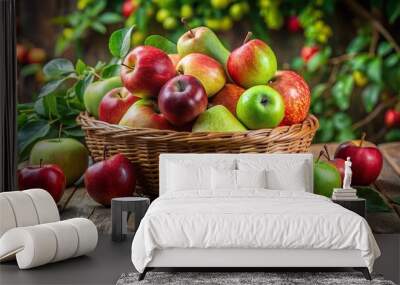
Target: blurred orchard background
point(348, 51)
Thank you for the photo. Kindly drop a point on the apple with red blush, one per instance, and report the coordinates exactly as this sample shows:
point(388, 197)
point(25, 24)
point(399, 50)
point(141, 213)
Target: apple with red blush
point(366, 160)
point(110, 178)
point(49, 177)
point(182, 99)
point(295, 93)
point(115, 104)
point(145, 70)
point(392, 118)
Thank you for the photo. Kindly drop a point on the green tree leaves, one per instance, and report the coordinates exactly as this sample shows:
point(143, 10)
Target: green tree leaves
point(120, 42)
point(161, 43)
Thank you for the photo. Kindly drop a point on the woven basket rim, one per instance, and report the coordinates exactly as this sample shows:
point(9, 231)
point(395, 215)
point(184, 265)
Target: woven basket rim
point(89, 122)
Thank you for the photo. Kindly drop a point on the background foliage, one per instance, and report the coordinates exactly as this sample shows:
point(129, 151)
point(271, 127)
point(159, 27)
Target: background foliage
point(352, 86)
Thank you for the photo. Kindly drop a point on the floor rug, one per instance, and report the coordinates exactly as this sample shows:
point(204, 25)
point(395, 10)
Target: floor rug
point(243, 278)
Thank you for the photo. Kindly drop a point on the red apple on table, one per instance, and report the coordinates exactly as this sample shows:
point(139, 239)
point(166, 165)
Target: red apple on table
point(308, 52)
point(36, 55)
point(207, 70)
point(392, 118)
point(296, 95)
point(49, 177)
point(115, 104)
point(366, 160)
point(182, 99)
point(145, 70)
point(111, 178)
point(143, 114)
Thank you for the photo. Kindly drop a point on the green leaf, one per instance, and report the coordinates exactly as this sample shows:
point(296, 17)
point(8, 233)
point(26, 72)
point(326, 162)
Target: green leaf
point(392, 60)
point(370, 96)
point(51, 86)
point(74, 132)
point(82, 84)
point(384, 48)
point(111, 71)
point(375, 202)
point(110, 18)
point(58, 67)
point(80, 67)
point(393, 10)
point(161, 43)
point(341, 121)
point(30, 133)
point(392, 136)
point(318, 60)
point(30, 69)
point(359, 62)
point(345, 135)
point(297, 63)
point(98, 7)
point(374, 70)
point(98, 27)
point(342, 90)
point(120, 42)
point(358, 43)
point(317, 91)
point(326, 131)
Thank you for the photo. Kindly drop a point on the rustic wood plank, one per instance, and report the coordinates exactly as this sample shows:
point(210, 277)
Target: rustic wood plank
point(391, 152)
point(80, 205)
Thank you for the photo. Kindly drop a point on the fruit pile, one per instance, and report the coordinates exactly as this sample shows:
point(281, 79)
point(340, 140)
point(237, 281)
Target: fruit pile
point(201, 88)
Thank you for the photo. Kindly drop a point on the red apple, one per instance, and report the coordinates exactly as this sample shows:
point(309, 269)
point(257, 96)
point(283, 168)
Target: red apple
point(128, 7)
point(111, 178)
point(392, 118)
point(366, 160)
point(296, 95)
point(175, 58)
point(49, 177)
point(308, 52)
point(115, 104)
point(337, 162)
point(228, 97)
point(254, 63)
point(22, 53)
point(36, 55)
point(293, 24)
point(143, 114)
point(145, 70)
point(182, 99)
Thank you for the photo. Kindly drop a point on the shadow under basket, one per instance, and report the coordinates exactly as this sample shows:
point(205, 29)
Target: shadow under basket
point(143, 146)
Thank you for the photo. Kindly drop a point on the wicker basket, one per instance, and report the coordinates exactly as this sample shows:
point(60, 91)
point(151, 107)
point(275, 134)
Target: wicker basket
point(143, 146)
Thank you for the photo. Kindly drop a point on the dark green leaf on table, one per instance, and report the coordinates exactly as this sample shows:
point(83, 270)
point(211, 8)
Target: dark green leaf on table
point(370, 96)
point(375, 202)
point(162, 43)
point(120, 42)
point(29, 134)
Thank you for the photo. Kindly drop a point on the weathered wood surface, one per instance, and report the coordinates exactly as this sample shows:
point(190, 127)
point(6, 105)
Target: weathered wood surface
point(388, 185)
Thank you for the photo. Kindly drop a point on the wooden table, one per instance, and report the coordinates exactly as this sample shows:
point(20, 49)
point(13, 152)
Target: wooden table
point(77, 203)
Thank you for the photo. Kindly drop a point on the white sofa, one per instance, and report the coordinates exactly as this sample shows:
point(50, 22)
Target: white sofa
point(31, 231)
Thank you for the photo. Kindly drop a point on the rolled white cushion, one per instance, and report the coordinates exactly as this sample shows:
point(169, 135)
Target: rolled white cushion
point(46, 208)
point(87, 235)
point(23, 208)
point(7, 218)
point(40, 244)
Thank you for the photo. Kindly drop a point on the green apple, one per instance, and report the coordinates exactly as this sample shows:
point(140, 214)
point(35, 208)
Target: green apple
point(205, 41)
point(217, 119)
point(260, 107)
point(326, 177)
point(69, 154)
point(96, 91)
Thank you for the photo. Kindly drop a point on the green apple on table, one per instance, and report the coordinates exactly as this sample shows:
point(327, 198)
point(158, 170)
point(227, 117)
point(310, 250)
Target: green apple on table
point(96, 91)
point(260, 107)
point(69, 154)
point(205, 41)
point(326, 178)
point(206, 69)
point(217, 119)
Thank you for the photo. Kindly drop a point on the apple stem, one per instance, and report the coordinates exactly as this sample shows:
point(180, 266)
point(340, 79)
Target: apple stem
point(105, 150)
point(127, 66)
point(40, 162)
point(327, 152)
point(320, 154)
point(59, 132)
point(364, 134)
point(248, 36)
point(185, 23)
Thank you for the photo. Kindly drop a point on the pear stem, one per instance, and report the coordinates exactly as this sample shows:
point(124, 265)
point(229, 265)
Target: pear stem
point(105, 151)
point(185, 23)
point(320, 154)
point(364, 134)
point(327, 152)
point(248, 36)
